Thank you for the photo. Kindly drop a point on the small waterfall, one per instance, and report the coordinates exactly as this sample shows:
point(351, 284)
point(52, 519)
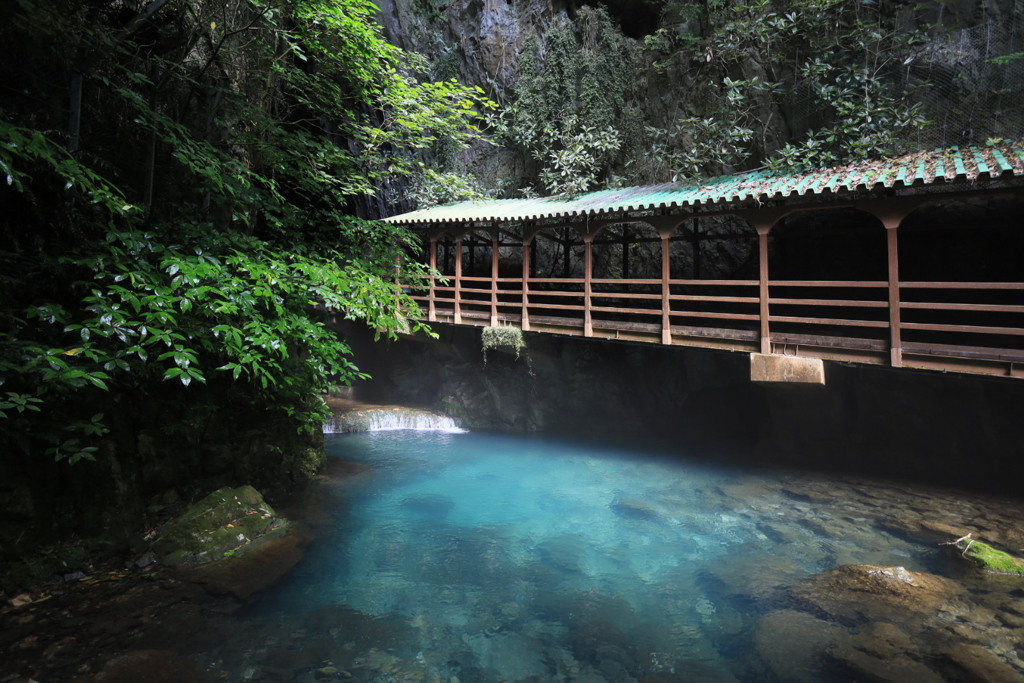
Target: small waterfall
point(383, 419)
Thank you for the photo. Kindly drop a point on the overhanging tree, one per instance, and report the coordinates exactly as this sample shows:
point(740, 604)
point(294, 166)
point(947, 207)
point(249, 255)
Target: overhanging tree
point(182, 180)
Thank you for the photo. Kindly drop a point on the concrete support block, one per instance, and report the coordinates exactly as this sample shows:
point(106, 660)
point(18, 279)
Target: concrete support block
point(773, 367)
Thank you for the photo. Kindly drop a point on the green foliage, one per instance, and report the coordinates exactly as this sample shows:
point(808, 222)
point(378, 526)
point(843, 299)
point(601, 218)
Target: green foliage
point(1003, 60)
point(433, 10)
point(863, 114)
point(842, 60)
point(571, 164)
point(575, 107)
point(202, 231)
point(22, 149)
point(695, 144)
point(433, 188)
point(502, 338)
point(51, 561)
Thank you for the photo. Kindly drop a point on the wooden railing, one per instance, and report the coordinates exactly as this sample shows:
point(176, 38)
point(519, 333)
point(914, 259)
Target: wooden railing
point(949, 326)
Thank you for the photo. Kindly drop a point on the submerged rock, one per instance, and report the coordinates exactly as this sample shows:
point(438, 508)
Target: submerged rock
point(755, 577)
point(631, 508)
point(792, 644)
point(515, 656)
point(882, 652)
point(912, 626)
point(430, 506)
point(864, 592)
point(975, 663)
point(218, 526)
point(919, 530)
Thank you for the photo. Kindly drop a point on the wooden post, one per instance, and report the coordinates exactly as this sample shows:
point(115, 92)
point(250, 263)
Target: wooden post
point(625, 253)
point(431, 305)
point(494, 279)
point(763, 228)
point(527, 249)
point(895, 343)
point(666, 301)
point(458, 281)
point(696, 248)
point(566, 253)
point(588, 275)
point(891, 213)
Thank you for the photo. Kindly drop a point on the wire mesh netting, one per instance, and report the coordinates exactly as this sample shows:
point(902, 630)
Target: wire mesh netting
point(971, 82)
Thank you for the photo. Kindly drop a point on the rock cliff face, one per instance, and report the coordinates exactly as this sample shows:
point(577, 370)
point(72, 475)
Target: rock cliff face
point(482, 37)
point(962, 67)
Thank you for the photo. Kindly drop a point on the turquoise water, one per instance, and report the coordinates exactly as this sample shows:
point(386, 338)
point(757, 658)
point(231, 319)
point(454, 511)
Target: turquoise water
point(467, 557)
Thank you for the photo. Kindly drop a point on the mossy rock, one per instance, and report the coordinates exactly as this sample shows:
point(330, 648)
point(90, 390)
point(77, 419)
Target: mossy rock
point(310, 461)
point(990, 559)
point(218, 526)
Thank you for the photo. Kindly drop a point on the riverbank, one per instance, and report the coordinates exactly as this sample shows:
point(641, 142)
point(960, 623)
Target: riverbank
point(129, 618)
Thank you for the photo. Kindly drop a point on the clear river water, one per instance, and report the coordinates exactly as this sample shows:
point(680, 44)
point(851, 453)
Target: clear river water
point(483, 558)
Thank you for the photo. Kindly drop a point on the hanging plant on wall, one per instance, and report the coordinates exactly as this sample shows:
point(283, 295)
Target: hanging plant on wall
point(507, 339)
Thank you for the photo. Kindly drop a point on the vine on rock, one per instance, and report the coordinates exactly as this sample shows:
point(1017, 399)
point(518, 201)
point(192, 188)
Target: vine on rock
point(831, 75)
point(575, 108)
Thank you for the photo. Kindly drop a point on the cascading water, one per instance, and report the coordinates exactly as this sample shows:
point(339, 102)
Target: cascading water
point(389, 419)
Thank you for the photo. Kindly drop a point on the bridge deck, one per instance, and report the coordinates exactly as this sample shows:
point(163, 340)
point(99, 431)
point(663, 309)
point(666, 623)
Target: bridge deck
point(918, 267)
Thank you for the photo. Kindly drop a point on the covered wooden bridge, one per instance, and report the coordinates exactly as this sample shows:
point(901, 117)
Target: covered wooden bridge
point(910, 262)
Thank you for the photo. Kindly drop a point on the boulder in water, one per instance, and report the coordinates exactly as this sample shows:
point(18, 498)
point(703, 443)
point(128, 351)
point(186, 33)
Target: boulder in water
point(432, 507)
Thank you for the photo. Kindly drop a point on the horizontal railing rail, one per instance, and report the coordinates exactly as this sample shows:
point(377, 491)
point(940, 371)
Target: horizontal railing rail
point(974, 317)
point(943, 325)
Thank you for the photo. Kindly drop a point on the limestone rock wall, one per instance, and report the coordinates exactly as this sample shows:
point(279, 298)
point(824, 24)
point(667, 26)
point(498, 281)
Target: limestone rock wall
point(967, 92)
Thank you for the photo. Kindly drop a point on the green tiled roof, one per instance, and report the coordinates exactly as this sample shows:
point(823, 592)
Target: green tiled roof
point(936, 167)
